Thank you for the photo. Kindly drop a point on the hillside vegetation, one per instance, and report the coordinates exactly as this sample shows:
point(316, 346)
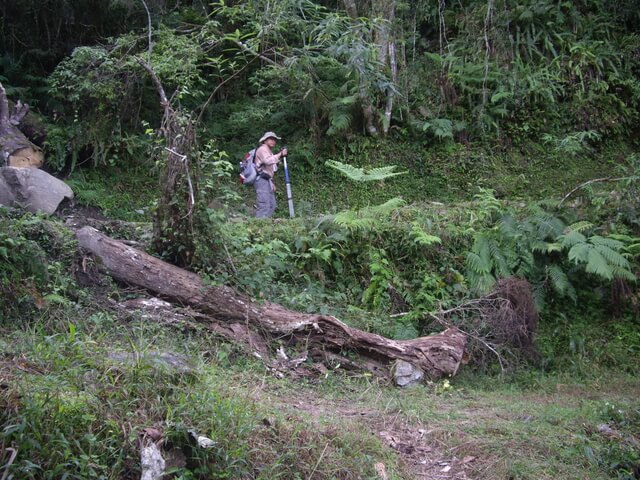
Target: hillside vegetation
point(438, 153)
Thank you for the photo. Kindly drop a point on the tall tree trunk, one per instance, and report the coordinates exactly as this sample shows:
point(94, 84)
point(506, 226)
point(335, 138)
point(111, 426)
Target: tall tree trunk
point(368, 110)
point(386, 11)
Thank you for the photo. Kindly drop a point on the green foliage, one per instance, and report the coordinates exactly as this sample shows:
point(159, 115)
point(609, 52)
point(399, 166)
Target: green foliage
point(103, 96)
point(360, 175)
point(369, 217)
point(36, 257)
point(124, 194)
point(542, 248)
point(572, 144)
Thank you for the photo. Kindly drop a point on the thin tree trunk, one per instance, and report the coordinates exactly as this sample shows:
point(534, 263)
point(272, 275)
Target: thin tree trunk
point(173, 222)
point(386, 11)
point(368, 110)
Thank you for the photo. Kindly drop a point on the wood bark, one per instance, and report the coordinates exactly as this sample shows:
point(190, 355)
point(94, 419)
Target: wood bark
point(322, 336)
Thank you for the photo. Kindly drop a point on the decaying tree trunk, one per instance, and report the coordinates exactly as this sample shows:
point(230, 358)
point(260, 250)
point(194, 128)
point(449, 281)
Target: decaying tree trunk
point(173, 222)
point(323, 336)
point(15, 148)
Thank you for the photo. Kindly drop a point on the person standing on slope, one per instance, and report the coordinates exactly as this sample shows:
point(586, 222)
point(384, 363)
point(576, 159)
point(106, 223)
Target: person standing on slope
point(266, 164)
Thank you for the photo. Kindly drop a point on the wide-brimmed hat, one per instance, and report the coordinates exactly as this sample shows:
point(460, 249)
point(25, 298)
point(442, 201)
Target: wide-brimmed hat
point(268, 135)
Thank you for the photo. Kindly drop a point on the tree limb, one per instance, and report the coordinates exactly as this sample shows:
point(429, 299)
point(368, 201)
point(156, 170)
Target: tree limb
point(589, 182)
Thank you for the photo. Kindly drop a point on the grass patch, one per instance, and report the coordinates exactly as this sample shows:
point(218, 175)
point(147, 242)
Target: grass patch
point(71, 408)
point(128, 195)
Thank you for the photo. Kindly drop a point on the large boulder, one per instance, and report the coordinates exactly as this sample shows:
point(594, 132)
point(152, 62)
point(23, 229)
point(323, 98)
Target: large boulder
point(32, 189)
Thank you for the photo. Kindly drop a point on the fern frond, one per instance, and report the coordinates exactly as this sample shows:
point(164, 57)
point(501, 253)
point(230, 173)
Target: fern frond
point(631, 244)
point(581, 226)
point(340, 122)
point(633, 249)
point(508, 226)
point(476, 264)
point(539, 297)
point(571, 239)
point(624, 238)
point(421, 237)
point(612, 257)
point(484, 283)
point(546, 247)
point(360, 175)
point(559, 280)
point(623, 273)
point(606, 241)
point(526, 262)
point(548, 226)
point(598, 265)
point(369, 217)
point(387, 207)
point(579, 253)
point(353, 220)
point(499, 260)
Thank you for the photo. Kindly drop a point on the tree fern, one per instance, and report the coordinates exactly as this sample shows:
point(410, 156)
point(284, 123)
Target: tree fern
point(558, 279)
point(579, 253)
point(606, 242)
point(581, 226)
point(360, 175)
point(601, 256)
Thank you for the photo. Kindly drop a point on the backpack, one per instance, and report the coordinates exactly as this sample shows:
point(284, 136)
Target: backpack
point(248, 171)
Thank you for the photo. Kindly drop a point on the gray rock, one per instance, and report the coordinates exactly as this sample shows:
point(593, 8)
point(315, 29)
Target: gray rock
point(406, 374)
point(32, 189)
point(7, 197)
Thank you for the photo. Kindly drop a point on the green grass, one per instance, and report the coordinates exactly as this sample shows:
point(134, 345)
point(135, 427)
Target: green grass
point(128, 195)
point(70, 410)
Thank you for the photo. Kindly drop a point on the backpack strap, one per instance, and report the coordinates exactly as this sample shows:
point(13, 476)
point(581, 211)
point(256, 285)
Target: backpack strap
point(255, 151)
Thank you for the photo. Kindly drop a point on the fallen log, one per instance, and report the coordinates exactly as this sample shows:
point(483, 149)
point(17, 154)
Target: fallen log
point(437, 355)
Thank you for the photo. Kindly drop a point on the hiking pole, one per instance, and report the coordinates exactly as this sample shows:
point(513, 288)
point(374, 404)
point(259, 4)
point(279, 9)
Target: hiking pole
point(288, 184)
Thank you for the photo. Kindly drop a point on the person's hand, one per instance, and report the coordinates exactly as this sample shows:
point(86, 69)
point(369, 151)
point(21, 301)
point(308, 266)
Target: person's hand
point(284, 152)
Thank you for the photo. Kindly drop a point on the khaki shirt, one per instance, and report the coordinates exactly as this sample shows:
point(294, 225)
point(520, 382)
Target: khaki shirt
point(265, 160)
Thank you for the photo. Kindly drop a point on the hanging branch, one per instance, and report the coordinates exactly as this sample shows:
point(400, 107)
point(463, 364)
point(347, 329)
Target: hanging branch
point(589, 182)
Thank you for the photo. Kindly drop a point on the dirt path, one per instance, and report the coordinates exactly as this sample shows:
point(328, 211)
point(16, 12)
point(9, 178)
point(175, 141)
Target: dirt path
point(422, 453)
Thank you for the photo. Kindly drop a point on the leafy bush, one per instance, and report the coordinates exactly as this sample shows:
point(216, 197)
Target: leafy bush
point(36, 258)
